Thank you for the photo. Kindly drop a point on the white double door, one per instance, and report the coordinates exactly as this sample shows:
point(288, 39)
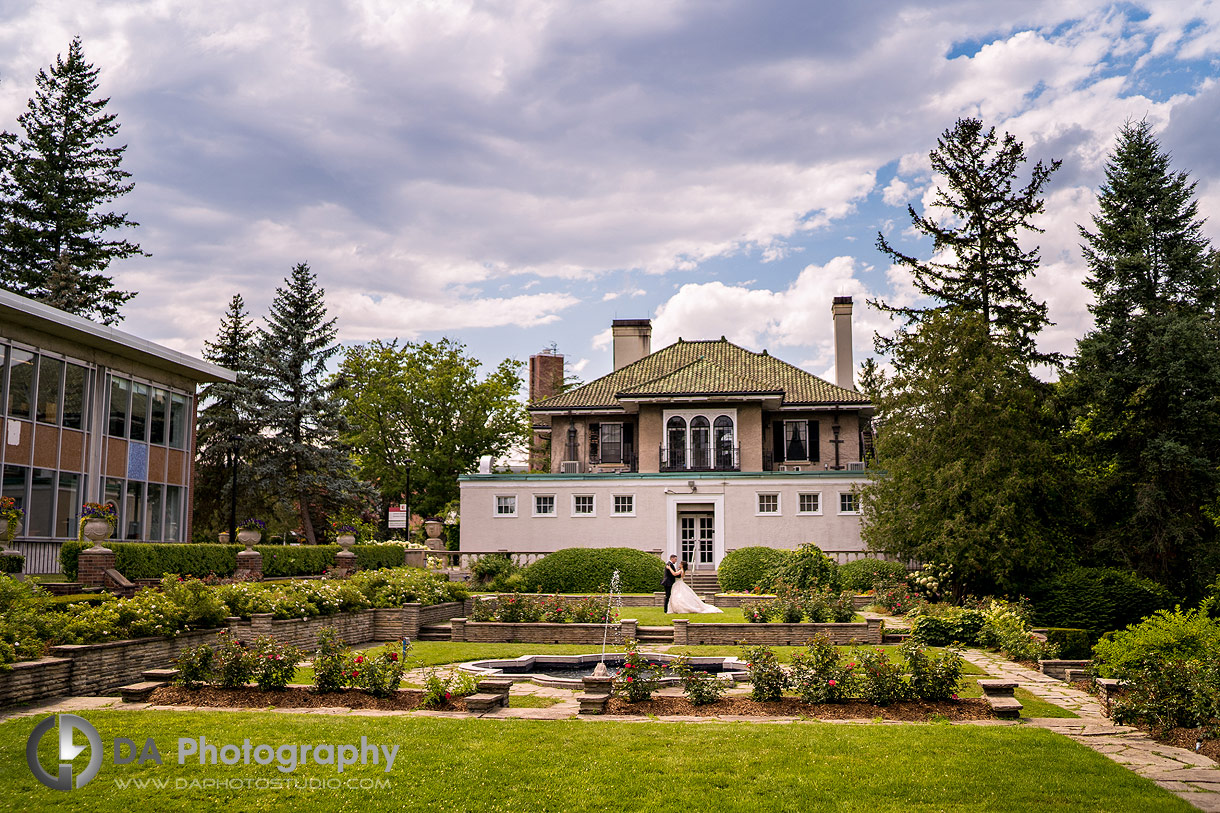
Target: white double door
point(697, 540)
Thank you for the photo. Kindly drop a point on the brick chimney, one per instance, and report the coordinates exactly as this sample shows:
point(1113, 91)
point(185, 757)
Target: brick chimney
point(840, 313)
point(632, 340)
point(546, 375)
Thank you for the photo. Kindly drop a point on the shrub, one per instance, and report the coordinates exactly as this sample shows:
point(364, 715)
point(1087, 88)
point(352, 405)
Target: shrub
point(940, 625)
point(639, 677)
point(744, 569)
point(516, 609)
point(933, 677)
point(1006, 628)
point(587, 570)
point(760, 612)
point(1168, 635)
point(700, 687)
point(863, 575)
point(818, 675)
point(807, 568)
point(232, 663)
point(441, 691)
point(274, 663)
point(194, 666)
point(791, 611)
point(591, 610)
point(1097, 598)
point(1166, 693)
point(898, 598)
point(201, 609)
point(1073, 644)
point(824, 606)
point(494, 572)
point(484, 609)
point(26, 621)
point(879, 680)
point(379, 675)
point(329, 661)
point(149, 613)
point(12, 562)
point(767, 678)
point(398, 586)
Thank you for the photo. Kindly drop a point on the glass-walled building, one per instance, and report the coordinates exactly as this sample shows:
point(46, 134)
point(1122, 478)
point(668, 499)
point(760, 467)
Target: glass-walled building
point(90, 413)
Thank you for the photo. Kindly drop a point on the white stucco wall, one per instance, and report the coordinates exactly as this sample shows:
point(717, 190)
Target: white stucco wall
point(657, 499)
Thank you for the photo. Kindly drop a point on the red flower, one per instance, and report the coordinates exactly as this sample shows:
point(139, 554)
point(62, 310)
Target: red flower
point(393, 656)
point(629, 678)
point(831, 683)
point(359, 659)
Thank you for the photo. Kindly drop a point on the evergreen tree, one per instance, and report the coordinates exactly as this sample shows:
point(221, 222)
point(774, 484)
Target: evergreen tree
point(228, 431)
point(966, 471)
point(977, 261)
point(1146, 428)
point(305, 468)
point(55, 180)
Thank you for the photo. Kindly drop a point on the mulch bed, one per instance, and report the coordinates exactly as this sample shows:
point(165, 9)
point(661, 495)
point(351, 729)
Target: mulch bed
point(294, 697)
point(917, 711)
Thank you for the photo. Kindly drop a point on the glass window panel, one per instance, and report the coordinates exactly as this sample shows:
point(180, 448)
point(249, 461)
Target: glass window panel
point(14, 484)
point(795, 446)
point(152, 519)
point(177, 421)
point(21, 384)
point(67, 506)
point(139, 411)
point(120, 394)
point(50, 373)
point(612, 443)
point(156, 416)
point(133, 514)
point(114, 496)
point(3, 377)
point(173, 513)
point(40, 518)
point(74, 397)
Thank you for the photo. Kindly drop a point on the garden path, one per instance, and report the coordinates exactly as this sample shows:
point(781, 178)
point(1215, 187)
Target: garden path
point(1190, 776)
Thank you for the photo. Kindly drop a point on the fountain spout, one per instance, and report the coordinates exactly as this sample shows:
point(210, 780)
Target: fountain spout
point(616, 586)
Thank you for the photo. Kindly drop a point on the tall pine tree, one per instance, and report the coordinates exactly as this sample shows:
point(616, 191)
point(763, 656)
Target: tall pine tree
point(1144, 381)
point(228, 434)
point(56, 179)
point(305, 466)
point(977, 261)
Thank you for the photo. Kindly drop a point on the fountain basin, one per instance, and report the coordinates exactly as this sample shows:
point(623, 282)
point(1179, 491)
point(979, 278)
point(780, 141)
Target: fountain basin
point(567, 671)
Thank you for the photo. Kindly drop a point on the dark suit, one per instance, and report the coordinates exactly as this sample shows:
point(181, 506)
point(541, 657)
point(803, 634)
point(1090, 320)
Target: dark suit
point(667, 582)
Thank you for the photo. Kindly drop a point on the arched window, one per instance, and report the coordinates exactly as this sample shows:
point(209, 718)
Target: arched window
point(675, 440)
point(725, 448)
point(700, 443)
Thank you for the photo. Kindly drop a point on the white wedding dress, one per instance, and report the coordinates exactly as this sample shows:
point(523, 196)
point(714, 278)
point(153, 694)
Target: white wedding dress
point(682, 599)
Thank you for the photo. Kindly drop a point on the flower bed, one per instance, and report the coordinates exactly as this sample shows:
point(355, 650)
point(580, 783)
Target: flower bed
point(296, 697)
point(776, 634)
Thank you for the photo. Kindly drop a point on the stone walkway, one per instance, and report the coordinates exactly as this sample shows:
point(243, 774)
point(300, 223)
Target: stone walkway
point(1190, 776)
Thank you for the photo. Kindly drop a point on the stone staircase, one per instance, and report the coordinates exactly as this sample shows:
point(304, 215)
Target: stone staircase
point(654, 635)
point(435, 632)
point(704, 583)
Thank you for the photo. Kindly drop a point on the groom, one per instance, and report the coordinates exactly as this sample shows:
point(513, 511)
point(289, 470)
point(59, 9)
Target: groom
point(667, 580)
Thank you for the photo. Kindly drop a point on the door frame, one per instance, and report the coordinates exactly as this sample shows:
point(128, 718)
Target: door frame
point(672, 542)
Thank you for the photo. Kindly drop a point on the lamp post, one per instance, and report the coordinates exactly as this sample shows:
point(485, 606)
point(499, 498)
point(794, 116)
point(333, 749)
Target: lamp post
point(407, 462)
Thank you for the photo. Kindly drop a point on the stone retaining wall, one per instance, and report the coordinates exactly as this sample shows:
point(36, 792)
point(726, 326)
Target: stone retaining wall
point(34, 680)
point(541, 633)
point(687, 634)
point(104, 667)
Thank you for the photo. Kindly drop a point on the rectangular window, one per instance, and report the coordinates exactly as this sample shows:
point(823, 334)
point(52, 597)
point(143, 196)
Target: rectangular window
point(506, 506)
point(139, 411)
point(810, 504)
point(768, 503)
point(612, 443)
point(177, 421)
point(14, 484)
point(113, 494)
point(67, 505)
point(20, 384)
point(152, 517)
point(849, 503)
point(50, 371)
point(74, 397)
point(582, 505)
point(173, 513)
point(40, 518)
point(796, 440)
point(120, 396)
point(624, 504)
point(544, 505)
point(156, 416)
point(134, 511)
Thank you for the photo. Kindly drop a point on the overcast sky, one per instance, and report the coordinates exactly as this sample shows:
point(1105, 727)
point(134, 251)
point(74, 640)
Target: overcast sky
point(515, 174)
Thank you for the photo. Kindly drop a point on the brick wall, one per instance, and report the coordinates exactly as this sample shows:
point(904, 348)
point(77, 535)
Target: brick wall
point(687, 634)
point(499, 632)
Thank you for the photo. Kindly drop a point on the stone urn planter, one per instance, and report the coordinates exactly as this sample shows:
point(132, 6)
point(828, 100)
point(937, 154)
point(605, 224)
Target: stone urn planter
point(249, 537)
point(346, 541)
point(97, 530)
point(432, 528)
point(4, 540)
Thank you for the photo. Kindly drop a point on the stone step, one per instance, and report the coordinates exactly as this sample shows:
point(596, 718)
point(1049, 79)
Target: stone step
point(654, 635)
point(435, 632)
point(139, 692)
point(998, 688)
point(1007, 708)
point(163, 675)
point(485, 701)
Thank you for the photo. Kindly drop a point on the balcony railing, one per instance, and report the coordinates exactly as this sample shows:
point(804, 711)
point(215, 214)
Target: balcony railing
point(700, 459)
point(628, 460)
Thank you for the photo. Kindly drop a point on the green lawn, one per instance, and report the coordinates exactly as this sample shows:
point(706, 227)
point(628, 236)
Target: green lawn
point(657, 617)
point(516, 765)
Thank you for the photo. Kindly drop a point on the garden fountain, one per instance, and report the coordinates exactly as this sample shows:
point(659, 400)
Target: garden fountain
point(616, 587)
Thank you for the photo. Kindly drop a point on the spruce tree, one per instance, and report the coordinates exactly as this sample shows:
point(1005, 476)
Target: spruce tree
point(1146, 429)
point(56, 179)
point(977, 261)
point(305, 467)
point(228, 434)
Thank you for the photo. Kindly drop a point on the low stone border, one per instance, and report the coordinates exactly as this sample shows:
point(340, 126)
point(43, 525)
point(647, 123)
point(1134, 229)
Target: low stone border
point(540, 633)
point(688, 634)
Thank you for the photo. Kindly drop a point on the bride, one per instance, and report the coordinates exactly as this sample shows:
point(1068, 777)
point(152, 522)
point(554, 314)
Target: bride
point(682, 599)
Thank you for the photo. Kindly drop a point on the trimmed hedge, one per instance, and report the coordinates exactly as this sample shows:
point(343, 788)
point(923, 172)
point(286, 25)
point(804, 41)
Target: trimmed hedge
point(588, 570)
point(152, 560)
point(1097, 598)
point(862, 574)
point(12, 563)
point(1074, 645)
point(744, 569)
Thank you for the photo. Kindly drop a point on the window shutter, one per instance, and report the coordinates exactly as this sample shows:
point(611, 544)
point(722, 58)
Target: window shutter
point(594, 444)
point(628, 439)
point(815, 446)
point(777, 440)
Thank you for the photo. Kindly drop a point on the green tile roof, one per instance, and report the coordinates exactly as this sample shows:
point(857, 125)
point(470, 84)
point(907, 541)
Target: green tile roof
point(704, 368)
